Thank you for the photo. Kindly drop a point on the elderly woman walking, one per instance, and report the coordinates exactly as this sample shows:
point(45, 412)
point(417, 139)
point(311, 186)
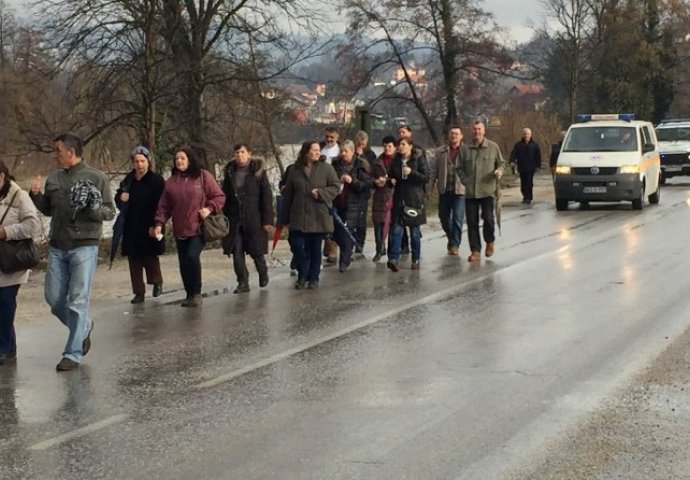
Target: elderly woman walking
point(308, 197)
point(190, 195)
point(138, 197)
point(352, 202)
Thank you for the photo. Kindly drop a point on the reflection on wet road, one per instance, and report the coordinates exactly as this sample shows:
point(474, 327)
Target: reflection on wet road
point(454, 371)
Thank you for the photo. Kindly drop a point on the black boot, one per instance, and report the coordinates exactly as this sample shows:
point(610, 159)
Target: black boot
point(157, 289)
point(263, 278)
point(242, 287)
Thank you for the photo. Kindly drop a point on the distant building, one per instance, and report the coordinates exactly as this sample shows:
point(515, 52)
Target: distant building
point(526, 96)
point(417, 75)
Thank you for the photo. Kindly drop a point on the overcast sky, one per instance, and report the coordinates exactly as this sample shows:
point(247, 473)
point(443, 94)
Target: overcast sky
point(518, 17)
point(515, 16)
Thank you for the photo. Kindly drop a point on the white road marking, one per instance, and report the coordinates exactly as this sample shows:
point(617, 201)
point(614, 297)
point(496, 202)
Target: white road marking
point(611, 232)
point(80, 432)
point(345, 331)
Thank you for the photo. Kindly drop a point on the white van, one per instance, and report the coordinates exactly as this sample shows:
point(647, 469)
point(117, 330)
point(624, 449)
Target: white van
point(607, 158)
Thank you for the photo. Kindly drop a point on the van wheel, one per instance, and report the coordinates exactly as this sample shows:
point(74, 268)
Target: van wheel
point(561, 205)
point(662, 179)
point(654, 197)
point(638, 203)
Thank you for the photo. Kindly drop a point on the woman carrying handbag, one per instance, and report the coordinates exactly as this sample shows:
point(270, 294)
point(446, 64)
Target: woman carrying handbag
point(409, 174)
point(19, 221)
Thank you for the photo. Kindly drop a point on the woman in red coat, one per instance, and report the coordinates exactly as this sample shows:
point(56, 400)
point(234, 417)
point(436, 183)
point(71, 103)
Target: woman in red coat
point(190, 195)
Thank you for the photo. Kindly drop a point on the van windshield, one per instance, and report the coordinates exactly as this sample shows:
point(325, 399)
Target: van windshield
point(668, 134)
point(601, 139)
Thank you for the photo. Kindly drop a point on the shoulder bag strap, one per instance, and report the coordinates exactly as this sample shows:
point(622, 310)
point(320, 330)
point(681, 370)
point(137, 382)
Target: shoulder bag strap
point(2, 220)
point(203, 189)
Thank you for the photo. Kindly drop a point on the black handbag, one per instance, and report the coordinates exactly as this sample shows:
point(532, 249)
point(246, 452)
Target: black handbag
point(413, 217)
point(215, 226)
point(17, 255)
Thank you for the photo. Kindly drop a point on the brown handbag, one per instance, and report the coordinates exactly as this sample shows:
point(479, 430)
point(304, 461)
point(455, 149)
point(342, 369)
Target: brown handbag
point(216, 226)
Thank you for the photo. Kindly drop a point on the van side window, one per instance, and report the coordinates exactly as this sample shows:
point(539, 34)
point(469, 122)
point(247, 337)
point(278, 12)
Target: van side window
point(647, 135)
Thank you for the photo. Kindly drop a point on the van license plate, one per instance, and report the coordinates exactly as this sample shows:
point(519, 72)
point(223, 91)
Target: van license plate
point(673, 168)
point(594, 189)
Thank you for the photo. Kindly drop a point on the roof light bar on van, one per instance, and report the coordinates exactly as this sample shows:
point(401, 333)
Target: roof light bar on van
point(588, 117)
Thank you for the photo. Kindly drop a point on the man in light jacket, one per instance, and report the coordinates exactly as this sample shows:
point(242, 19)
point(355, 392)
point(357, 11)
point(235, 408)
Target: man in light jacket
point(451, 191)
point(480, 167)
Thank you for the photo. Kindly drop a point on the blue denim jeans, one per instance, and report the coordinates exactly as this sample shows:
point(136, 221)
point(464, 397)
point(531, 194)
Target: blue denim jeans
point(67, 290)
point(307, 251)
point(396, 242)
point(8, 307)
point(451, 212)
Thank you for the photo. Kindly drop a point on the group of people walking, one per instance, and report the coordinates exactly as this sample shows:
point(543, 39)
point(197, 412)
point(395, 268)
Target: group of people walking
point(325, 203)
point(326, 197)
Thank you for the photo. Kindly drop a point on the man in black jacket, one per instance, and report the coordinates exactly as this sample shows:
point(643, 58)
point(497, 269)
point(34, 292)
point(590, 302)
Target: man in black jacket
point(249, 207)
point(527, 156)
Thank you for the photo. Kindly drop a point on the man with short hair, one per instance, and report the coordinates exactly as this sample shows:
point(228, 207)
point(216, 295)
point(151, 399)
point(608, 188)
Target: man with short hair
point(78, 199)
point(527, 156)
point(249, 207)
point(451, 191)
point(330, 146)
point(480, 167)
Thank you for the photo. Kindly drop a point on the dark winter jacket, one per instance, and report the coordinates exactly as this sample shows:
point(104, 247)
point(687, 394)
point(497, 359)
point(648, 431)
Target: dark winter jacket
point(526, 155)
point(383, 196)
point(301, 211)
point(353, 201)
point(140, 211)
point(249, 209)
point(368, 155)
point(410, 191)
point(182, 199)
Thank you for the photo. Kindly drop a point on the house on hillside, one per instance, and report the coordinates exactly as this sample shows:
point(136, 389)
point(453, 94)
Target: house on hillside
point(526, 96)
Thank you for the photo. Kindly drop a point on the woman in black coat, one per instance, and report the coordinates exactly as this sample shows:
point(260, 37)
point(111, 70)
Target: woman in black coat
point(249, 207)
point(138, 197)
point(409, 173)
point(352, 202)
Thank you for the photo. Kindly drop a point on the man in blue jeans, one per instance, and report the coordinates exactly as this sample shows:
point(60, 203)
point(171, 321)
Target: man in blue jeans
point(451, 191)
point(78, 199)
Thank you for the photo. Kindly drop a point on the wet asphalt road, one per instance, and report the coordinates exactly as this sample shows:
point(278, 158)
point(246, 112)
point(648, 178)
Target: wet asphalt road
point(452, 372)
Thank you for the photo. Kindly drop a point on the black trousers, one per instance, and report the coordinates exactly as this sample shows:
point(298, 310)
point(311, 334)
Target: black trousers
point(526, 184)
point(472, 206)
point(360, 234)
point(239, 260)
point(189, 255)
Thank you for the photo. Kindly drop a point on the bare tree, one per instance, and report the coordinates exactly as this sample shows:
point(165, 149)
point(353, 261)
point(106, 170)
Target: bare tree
point(455, 37)
point(574, 20)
